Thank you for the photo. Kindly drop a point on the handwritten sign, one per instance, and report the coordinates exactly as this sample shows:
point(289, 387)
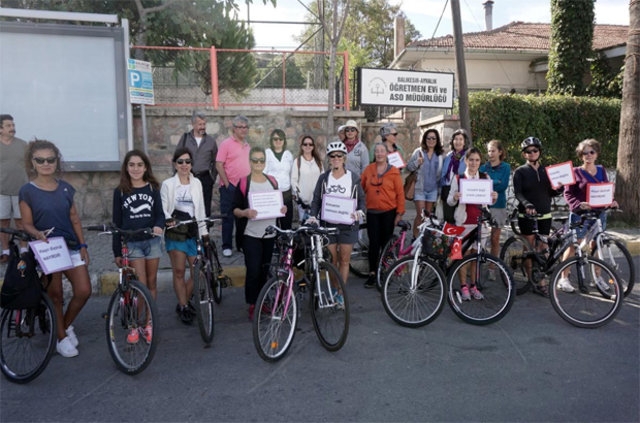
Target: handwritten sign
point(395, 159)
point(53, 256)
point(600, 195)
point(476, 191)
point(338, 209)
point(267, 204)
point(561, 173)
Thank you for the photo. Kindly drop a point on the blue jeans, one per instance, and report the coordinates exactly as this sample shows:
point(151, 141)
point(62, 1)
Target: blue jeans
point(226, 208)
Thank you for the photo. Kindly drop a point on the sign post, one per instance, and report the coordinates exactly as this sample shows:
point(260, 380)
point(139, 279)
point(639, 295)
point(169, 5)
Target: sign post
point(141, 90)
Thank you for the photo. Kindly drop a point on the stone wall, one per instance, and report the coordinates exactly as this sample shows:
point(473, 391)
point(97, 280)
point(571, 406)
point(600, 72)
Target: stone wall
point(165, 127)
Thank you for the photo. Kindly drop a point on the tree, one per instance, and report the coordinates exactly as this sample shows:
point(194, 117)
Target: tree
point(201, 23)
point(571, 42)
point(271, 75)
point(627, 189)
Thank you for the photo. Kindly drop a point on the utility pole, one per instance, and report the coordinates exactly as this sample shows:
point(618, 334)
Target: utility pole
point(463, 92)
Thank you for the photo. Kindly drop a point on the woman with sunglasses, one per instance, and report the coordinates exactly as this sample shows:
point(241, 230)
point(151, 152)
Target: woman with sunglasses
point(338, 181)
point(256, 244)
point(576, 195)
point(384, 196)
point(305, 172)
point(428, 160)
point(182, 199)
point(389, 137)
point(357, 152)
point(47, 202)
point(279, 165)
point(532, 189)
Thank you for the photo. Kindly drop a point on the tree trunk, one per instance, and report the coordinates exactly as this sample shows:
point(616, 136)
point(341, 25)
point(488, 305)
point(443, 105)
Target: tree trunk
point(628, 175)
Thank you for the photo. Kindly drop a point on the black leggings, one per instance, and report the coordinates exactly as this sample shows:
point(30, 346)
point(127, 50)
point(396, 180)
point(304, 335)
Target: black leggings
point(380, 229)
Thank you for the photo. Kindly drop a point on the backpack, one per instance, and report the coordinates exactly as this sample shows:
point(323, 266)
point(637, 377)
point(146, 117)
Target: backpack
point(21, 288)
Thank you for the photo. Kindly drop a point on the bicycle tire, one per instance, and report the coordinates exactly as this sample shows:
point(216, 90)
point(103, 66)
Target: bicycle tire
point(414, 299)
point(616, 254)
point(330, 318)
point(513, 253)
point(499, 293)
point(128, 311)
point(389, 256)
point(23, 357)
point(274, 327)
point(204, 298)
point(359, 263)
point(586, 307)
point(212, 273)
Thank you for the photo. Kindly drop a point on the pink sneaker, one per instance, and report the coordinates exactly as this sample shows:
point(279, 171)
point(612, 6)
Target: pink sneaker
point(477, 295)
point(133, 337)
point(148, 333)
point(464, 293)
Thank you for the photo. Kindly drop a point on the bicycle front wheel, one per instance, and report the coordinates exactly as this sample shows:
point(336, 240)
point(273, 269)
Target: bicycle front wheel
point(497, 291)
point(615, 254)
point(330, 307)
point(515, 254)
point(275, 319)
point(213, 270)
point(413, 296)
point(132, 328)
point(28, 340)
point(586, 306)
point(389, 256)
point(203, 295)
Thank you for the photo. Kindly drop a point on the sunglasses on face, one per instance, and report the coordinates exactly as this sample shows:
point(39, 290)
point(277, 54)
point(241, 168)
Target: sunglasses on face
point(306, 144)
point(183, 161)
point(350, 130)
point(532, 151)
point(257, 160)
point(41, 160)
point(588, 153)
point(336, 156)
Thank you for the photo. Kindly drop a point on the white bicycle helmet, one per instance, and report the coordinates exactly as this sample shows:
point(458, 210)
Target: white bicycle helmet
point(336, 146)
point(530, 142)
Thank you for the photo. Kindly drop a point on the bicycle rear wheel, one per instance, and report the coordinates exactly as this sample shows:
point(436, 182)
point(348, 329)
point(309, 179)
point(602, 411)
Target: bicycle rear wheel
point(129, 314)
point(204, 297)
point(275, 319)
point(615, 254)
point(498, 294)
point(28, 340)
point(389, 256)
point(586, 307)
point(413, 296)
point(514, 253)
point(359, 264)
point(212, 274)
point(329, 312)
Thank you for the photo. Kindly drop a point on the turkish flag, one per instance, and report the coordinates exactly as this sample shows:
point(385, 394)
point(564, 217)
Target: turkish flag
point(452, 230)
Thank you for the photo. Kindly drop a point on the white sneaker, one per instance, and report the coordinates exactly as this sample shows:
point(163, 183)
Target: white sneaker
point(602, 284)
point(65, 348)
point(72, 336)
point(565, 285)
point(227, 252)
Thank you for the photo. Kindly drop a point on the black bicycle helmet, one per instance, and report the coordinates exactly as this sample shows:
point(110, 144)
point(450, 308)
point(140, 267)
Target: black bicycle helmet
point(530, 142)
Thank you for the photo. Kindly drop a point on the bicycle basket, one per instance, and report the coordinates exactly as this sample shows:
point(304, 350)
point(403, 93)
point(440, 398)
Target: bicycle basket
point(436, 245)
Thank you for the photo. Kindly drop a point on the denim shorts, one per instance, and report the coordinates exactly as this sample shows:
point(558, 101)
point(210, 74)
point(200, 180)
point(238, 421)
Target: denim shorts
point(582, 231)
point(188, 247)
point(430, 196)
point(147, 249)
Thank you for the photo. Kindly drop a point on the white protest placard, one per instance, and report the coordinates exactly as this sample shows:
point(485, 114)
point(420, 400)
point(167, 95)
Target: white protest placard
point(600, 195)
point(338, 209)
point(53, 256)
point(267, 204)
point(561, 173)
point(395, 159)
point(476, 191)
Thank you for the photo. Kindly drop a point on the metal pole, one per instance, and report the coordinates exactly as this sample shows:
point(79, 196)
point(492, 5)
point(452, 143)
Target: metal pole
point(143, 113)
point(463, 93)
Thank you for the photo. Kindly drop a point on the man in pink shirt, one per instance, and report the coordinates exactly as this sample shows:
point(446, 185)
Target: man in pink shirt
point(232, 163)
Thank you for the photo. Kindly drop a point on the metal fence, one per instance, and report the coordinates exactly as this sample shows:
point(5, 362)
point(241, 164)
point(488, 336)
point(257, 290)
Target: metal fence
point(198, 77)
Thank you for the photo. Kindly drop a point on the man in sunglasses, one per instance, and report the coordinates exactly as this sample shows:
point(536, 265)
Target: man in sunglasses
point(12, 177)
point(204, 150)
point(232, 163)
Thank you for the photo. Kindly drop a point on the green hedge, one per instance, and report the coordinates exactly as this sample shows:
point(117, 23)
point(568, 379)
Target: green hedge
point(560, 122)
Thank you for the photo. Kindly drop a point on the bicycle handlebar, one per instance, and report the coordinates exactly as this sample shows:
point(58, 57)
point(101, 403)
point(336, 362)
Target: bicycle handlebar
point(210, 219)
point(18, 233)
point(111, 229)
point(309, 229)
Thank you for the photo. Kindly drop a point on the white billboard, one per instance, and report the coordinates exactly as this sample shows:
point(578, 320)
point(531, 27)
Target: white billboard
point(390, 87)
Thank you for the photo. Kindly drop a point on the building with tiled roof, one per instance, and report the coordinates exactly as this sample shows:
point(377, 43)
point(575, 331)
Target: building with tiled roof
point(512, 57)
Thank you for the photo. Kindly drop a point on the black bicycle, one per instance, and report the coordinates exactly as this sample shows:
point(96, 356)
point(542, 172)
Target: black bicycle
point(28, 335)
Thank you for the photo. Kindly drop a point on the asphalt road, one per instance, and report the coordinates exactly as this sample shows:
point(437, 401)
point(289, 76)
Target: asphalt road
point(530, 366)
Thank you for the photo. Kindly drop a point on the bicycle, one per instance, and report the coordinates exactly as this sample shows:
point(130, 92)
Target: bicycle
point(132, 315)
point(419, 299)
point(583, 307)
point(208, 280)
point(276, 317)
point(28, 336)
point(394, 250)
point(612, 251)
